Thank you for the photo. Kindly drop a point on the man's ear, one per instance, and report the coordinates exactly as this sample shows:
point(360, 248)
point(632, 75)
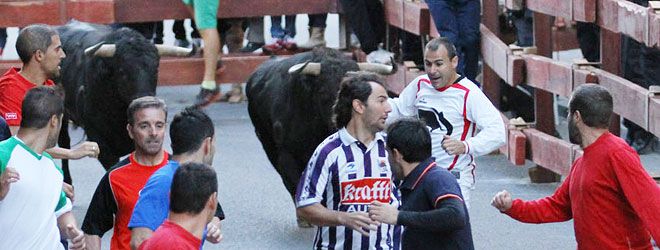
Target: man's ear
point(397, 155)
point(212, 201)
point(358, 106)
point(54, 121)
point(208, 142)
point(38, 56)
point(128, 129)
point(578, 116)
point(454, 62)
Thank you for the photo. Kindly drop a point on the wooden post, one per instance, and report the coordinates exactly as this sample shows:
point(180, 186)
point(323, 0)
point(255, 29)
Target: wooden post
point(610, 54)
point(491, 82)
point(544, 101)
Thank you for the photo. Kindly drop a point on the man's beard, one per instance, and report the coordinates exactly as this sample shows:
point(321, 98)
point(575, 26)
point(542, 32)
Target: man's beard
point(573, 132)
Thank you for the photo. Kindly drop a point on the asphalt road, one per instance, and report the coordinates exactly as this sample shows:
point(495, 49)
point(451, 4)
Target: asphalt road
point(260, 213)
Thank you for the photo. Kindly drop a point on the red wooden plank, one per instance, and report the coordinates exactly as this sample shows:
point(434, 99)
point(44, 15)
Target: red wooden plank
point(564, 39)
point(549, 75)
point(397, 81)
point(653, 30)
point(416, 18)
point(548, 151)
point(23, 13)
point(630, 100)
point(394, 12)
point(94, 11)
point(583, 75)
point(608, 15)
point(517, 141)
point(494, 52)
point(6, 65)
point(584, 10)
point(654, 115)
point(433, 31)
point(557, 8)
point(633, 20)
point(515, 70)
point(176, 71)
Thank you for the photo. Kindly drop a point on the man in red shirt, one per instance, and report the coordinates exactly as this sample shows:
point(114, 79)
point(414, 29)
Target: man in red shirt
point(118, 190)
point(614, 203)
point(193, 200)
point(40, 50)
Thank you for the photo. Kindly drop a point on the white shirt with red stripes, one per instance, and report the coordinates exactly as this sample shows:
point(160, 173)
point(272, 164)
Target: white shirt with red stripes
point(458, 110)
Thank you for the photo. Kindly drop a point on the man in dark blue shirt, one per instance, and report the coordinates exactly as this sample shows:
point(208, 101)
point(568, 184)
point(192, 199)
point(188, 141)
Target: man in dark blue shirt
point(433, 212)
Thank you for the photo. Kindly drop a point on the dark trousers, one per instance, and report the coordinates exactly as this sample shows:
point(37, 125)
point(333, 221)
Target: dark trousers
point(588, 35)
point(3, 37)
point(317, 20)
point(458, 21)
point(180, 30)
point(411, 48)
point(365, 17)
point(276, 30)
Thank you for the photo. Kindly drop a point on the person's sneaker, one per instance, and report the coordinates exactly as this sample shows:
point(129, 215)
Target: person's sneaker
point(251, 47)
point(183, 43)
point(206, 97)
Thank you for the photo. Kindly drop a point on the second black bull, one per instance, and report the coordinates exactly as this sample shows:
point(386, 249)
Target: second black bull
point(104, 70)
point(290, 104)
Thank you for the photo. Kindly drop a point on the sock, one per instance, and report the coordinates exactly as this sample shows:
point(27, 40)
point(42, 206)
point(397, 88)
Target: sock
point(208, 85)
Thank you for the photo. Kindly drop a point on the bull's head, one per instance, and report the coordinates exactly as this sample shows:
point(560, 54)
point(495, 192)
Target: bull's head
point(130, 63)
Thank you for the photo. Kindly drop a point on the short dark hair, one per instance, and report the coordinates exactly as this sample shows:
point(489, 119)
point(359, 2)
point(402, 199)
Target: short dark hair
point(188, 130)
point(355, 86)
point(39, 105)
point(192, 185)
point(32, 38)
point(143, 103)
point(411, 137)
point(594, 103)
point(435, 43)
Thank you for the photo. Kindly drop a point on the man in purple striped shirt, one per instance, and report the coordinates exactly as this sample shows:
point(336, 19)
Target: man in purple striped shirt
point(349, 170)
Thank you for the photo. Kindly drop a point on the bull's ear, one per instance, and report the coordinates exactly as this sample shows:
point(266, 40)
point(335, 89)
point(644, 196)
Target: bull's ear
point(89, 51)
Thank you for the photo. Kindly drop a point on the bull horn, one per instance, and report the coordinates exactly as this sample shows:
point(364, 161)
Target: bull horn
point(100, 49)
point(308, 68)
point(169, 50)
point(377, 68)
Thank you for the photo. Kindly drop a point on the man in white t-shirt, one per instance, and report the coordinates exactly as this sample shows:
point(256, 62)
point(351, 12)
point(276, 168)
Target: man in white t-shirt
point(32, 203)
point(454, 109)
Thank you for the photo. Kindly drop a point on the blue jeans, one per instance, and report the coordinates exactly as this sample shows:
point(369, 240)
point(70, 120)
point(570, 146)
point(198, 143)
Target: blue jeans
point(458, 21)
point(276, 30)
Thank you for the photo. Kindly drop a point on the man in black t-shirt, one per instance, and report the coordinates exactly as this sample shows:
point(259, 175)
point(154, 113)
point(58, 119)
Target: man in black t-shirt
point(433, 212)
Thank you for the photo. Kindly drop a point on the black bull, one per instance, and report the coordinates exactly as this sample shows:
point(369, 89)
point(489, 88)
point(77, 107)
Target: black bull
point(100, 81)
point(292, 112)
